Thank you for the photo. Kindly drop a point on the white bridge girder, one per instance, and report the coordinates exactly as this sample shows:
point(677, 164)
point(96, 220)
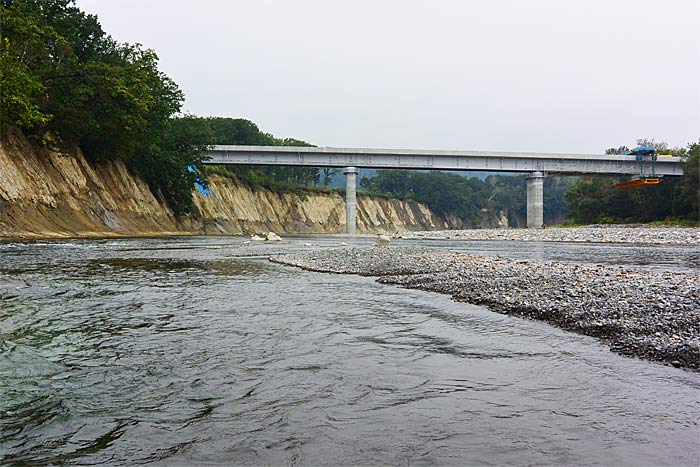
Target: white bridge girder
point(553, 163)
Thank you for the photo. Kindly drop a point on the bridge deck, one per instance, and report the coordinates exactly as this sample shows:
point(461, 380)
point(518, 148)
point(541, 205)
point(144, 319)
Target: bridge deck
point(561, 163)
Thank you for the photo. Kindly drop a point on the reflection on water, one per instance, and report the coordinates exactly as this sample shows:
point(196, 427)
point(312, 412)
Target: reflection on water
point(166, 266)
point(182, 352)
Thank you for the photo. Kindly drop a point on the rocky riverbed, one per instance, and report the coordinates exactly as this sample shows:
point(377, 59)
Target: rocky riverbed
point(592, 233)
point(650, 315)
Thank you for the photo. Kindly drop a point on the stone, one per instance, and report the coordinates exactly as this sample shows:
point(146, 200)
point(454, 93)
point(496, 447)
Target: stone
point(273, 237)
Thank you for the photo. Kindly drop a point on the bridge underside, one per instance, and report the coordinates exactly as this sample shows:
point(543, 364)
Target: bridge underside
point(537, 165)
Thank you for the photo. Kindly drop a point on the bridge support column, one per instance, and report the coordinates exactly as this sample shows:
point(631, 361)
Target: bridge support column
point(350, 200)
point(535, 202)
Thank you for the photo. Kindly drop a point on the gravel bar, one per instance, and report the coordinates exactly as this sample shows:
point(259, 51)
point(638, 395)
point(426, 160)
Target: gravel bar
point(592, 234)
point(655, 316)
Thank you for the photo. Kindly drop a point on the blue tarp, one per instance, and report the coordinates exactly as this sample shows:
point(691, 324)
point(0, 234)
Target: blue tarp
point(201, 186)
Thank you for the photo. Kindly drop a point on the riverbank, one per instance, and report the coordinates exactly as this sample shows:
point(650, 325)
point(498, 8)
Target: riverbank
point(660, 235)
point(655, 316)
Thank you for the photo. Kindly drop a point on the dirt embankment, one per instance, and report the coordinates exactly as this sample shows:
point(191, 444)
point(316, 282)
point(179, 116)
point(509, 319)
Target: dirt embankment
point(49, 194)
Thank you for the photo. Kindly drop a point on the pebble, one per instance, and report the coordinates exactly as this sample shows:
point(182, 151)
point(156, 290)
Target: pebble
point(591, 233)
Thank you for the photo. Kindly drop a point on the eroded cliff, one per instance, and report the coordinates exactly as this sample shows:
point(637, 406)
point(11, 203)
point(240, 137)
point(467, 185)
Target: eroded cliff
point(47, 194)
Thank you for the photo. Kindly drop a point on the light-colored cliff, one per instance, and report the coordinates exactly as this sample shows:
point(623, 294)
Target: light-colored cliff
point(45, 194)
point(238, 209)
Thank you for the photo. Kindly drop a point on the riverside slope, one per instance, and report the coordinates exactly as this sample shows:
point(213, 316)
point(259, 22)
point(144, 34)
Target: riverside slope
point(49, 194)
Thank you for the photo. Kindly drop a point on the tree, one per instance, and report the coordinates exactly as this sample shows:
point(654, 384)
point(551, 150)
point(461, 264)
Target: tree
point(240, 131)
point(22, 44)
point(328, 174)
point(507, 193)
point(183, 143)
point(688, 200)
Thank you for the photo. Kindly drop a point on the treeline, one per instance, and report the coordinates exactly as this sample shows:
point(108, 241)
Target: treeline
point(240, 131)
point(467, 198)
point(595, 199)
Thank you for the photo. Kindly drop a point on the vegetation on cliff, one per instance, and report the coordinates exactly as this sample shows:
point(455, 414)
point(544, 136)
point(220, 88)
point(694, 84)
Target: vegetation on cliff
point(66, 83)
point(240, 131)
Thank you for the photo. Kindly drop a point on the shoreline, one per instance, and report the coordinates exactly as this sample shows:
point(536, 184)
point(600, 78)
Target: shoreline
point(595, 233)
point(653, 316)
point(95, 236)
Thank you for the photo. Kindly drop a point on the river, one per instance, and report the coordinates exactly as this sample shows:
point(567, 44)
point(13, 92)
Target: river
point(196, 351)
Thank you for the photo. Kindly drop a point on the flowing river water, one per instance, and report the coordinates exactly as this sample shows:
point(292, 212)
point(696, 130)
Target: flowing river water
point(193, 351)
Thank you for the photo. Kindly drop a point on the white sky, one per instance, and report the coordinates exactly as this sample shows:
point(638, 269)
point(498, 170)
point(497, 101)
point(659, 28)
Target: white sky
point(535, 75)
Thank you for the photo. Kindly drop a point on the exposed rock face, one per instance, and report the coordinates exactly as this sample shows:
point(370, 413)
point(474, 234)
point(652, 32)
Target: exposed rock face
point(46, 194)
point(234, 209)
point(52, 194)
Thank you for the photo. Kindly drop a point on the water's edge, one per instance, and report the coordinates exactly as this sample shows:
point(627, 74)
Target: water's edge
point(658, 319)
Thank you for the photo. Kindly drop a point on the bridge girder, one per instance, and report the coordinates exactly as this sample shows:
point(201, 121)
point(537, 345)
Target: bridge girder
point(551, 163)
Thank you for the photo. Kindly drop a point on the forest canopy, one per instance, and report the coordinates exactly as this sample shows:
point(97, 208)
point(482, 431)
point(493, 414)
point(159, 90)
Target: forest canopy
point(66, 83)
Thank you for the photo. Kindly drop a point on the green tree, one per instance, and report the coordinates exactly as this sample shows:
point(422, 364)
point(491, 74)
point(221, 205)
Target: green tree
point(183, 143)
point(466, 198)
point(61, 74)
point(328, 173)
point(22, 47)
point(507, 193)
point(688, 190)
point(239, 131)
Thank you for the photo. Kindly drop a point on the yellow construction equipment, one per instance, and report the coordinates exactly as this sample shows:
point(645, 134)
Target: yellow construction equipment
point(637, 182)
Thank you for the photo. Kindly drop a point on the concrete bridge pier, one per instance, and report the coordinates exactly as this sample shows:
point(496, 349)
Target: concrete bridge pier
point(350, 200)
point(535, 201)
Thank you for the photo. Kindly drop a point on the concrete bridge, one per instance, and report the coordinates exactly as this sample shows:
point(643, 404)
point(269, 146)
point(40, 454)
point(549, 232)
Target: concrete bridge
point(536, 165)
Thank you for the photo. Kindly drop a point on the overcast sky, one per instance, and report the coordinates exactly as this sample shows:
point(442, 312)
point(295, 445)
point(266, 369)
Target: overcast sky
point(535, 75)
